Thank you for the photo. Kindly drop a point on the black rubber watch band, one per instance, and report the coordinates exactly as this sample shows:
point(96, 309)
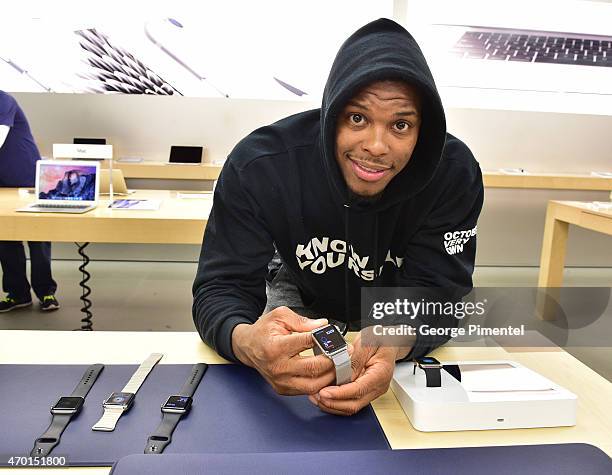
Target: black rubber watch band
point(432, 375)
point(51, 437)
point(190, 386)
point(453, 370)
point(162, 436)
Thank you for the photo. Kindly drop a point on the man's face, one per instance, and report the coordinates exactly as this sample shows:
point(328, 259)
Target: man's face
point(376, 134)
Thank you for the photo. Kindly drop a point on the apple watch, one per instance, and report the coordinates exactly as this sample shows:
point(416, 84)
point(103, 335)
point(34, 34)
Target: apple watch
point(330, 342)
point(432, 368)
point(64, 410)
point(118, 403)
point(173, 410)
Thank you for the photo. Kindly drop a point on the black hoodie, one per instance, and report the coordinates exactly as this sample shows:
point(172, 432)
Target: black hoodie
point(282, 187)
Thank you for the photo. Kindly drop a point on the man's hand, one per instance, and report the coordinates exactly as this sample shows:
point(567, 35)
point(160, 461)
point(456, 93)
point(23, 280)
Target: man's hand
point(373, 367)
point(272, 345)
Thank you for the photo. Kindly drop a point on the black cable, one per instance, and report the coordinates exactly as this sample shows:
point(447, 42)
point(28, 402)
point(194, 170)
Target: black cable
point(86, 323)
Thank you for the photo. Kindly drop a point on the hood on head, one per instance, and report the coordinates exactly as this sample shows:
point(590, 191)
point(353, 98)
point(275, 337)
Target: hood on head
point(383, 50)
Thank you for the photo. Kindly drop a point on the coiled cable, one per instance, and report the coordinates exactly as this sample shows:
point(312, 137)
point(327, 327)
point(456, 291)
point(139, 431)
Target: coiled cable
point(86, 323)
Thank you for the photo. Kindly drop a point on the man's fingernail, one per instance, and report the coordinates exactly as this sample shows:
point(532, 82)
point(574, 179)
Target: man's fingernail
point(317, 397)
point(321, 321)
point(325, 394)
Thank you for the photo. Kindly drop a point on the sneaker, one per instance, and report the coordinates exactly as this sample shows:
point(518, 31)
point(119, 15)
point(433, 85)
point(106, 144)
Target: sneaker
point(48, 303)
point(8, 303)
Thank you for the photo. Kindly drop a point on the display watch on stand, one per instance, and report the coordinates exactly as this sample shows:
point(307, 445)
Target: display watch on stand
point(432, 368)
point(173, 410)
point(329, 341)
point(64, 410)
point(118, 403)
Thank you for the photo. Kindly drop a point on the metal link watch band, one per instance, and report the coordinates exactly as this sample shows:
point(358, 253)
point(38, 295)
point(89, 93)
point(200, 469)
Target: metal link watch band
point(111, 415)
point(51, 437)
point(344, 371)
point(157, 442)
point(109, 419)
point(141, 373)
point(342, 363)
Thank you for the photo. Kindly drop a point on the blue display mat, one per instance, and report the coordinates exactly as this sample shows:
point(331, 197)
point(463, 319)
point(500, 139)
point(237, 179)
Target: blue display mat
point(557, 459)
point(234, 411)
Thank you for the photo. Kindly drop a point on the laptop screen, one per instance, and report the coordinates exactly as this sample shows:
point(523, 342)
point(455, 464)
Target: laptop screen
point(67, 182)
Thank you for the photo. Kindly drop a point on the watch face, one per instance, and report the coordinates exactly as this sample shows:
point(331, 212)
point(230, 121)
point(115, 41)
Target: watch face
point(68, 404)
point(120, 399)
point(178, 403)
point(329, 338)
point(428, 361)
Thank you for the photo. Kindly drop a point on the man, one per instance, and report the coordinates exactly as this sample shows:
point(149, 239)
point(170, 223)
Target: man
point(362, 192)
point(18, 156)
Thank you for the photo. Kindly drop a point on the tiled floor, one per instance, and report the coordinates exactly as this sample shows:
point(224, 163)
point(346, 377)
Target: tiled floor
point(156, 296)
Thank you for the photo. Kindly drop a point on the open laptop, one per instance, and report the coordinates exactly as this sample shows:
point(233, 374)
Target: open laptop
point(70, 186)
point(119, 185)
point(561, 46)
point(184, 155)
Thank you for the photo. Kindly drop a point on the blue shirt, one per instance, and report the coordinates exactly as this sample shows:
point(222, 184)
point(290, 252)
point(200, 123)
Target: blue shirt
point(18, 154)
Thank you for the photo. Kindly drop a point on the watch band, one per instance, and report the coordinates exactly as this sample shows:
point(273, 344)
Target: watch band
point(157, 442)
point(453, 370)
point(344, 370)
point(109, 419)
point(433, 377)
point(342, 363)
point(51, 437)
point(141, 373)
point(111, 415)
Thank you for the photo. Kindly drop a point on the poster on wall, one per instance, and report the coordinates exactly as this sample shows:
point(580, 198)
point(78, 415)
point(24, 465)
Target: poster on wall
point(270, 49)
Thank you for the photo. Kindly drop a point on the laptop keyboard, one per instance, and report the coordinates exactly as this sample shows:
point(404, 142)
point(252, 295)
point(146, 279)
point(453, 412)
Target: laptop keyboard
point(534, 47)
point(58, 205)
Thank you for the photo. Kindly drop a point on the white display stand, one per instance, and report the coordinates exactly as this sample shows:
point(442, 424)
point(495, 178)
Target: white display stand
point(492, 395)
point(76, 151)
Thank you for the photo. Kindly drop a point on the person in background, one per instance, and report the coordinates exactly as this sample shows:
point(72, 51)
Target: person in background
point(18, 156)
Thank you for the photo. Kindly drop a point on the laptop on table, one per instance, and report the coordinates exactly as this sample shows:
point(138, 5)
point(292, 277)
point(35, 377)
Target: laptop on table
point(65, 187)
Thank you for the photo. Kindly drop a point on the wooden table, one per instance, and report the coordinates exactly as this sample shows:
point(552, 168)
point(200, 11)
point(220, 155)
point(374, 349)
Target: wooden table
point(177, 221)
point(547, 181)
point(594, 419)
point(559, 215)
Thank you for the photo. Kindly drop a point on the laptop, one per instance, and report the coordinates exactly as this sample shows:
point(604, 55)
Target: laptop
point(182, 155)
point(69, 186)
point(119, 185)
point(562, 46)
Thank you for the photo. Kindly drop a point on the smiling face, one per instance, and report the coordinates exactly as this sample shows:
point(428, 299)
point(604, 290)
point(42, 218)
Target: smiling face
point(376, 134)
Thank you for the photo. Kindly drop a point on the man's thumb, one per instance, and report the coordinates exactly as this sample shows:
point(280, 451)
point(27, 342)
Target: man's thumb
point(298, 323)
